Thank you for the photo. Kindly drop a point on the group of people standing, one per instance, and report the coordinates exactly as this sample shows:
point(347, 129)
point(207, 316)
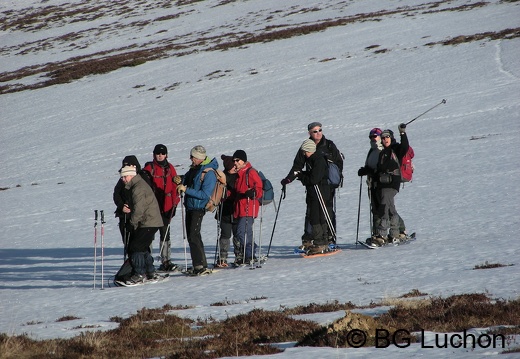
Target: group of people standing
point(147, 199)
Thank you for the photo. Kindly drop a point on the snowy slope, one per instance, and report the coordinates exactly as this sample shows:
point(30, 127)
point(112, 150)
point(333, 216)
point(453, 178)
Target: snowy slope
point(61, 147)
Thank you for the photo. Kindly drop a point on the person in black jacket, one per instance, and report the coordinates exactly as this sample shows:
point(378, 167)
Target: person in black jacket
point(224, 215)
point(121, 198)
point(388, 176)
point(324, 148)
point(315, 179)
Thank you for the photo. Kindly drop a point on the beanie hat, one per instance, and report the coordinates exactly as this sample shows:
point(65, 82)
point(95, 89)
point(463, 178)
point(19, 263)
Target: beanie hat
point(228, 162)
point(308, 146)
point(131, 160)
point(199, 152)
point(387, 133)
point(312, 125)
point(375, 131)
point(160, 149)
point(128, 171)
point(241, 155)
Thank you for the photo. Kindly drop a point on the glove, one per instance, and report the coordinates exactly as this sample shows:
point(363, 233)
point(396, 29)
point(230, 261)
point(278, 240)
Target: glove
point(363, 171)
point(285, 181)
point(402, 128)
point(250, 193)
point(181, 188)
point(177, 179)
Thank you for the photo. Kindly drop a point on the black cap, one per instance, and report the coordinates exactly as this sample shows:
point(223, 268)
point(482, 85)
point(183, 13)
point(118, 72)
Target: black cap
point(240, 154)
point(160, 149)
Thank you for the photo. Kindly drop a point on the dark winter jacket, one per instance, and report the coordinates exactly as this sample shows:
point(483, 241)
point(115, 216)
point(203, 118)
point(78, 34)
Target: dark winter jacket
point(389, 162)
point(325, 148)
point(199, 192)
point(225, 212)
point(316, 173)
point(121, 196)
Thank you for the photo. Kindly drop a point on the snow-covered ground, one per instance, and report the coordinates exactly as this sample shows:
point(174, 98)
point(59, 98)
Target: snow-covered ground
point(61, 147)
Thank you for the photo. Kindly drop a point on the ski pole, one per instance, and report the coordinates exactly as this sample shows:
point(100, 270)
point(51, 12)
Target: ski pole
point(260, 239)
point(125, 243)
point(282, 196)
point(95, 244)
point(217, 246)
point(359, 209)
point(325, 212)
point(184, 233)
point(102, 247)
point(425, 112)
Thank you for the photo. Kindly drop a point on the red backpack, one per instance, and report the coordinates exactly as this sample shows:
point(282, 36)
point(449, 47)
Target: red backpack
point(407, 166)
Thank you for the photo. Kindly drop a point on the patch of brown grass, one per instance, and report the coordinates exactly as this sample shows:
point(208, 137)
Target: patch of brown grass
point(488, 265)
point(155, 333)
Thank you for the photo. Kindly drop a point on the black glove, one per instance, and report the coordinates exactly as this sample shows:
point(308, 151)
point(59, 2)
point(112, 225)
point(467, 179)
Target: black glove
point(402, 128)
point(363, 171)
point(250, 193)
point(285, 181)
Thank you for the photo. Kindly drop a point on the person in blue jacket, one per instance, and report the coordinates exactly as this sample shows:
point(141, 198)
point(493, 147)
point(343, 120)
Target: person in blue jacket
point(197, 194)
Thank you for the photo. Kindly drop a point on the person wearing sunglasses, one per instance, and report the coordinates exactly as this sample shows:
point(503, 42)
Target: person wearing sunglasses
point(248, 191)
point(197, 194)
point(324, 148)
point(162, 173)
point(388, 178)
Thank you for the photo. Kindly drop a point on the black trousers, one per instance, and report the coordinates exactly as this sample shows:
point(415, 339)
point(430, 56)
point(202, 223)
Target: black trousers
point(193, 226)
point(139, 250)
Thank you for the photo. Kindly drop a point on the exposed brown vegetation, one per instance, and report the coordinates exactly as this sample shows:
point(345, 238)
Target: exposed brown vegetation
point(156, 332)
point(488, 265)
point(74, 68)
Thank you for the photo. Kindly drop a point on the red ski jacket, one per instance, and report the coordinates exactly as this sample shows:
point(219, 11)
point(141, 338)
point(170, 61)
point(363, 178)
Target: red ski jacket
point(164, 187)
point(248, 178)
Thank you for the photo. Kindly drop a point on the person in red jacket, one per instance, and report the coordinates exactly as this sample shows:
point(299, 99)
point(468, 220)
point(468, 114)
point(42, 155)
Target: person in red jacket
point(248, 191)
point(162, 173)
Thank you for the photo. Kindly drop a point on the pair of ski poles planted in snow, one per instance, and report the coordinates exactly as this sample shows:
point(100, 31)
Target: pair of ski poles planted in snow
point(361, 178)
point(102, 217)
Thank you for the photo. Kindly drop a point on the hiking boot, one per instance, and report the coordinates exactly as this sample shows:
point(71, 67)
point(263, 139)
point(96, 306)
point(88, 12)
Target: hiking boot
point(168, 266)
point(318, 248)
point(135, 279)
point(222, 263)
point(377, 241)
point(306, 245)
point(238, 262)
point(200, 270)
point(152, 276)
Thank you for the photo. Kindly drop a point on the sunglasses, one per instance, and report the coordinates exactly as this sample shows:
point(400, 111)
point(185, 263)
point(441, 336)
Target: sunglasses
point(236, 160)
point(373, 136)
point(316, 131)
point(160, 153)
point(382, 137)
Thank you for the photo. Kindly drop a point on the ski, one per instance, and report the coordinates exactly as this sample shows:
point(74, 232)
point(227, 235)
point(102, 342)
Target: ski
point(409, 239)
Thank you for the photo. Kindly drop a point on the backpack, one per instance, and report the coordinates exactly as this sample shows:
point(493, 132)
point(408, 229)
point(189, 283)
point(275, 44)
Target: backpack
point(125, 272)
point(334, 174)
point(267, 188)
point(219, 191)
point(335, 178)
point(407, 166)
